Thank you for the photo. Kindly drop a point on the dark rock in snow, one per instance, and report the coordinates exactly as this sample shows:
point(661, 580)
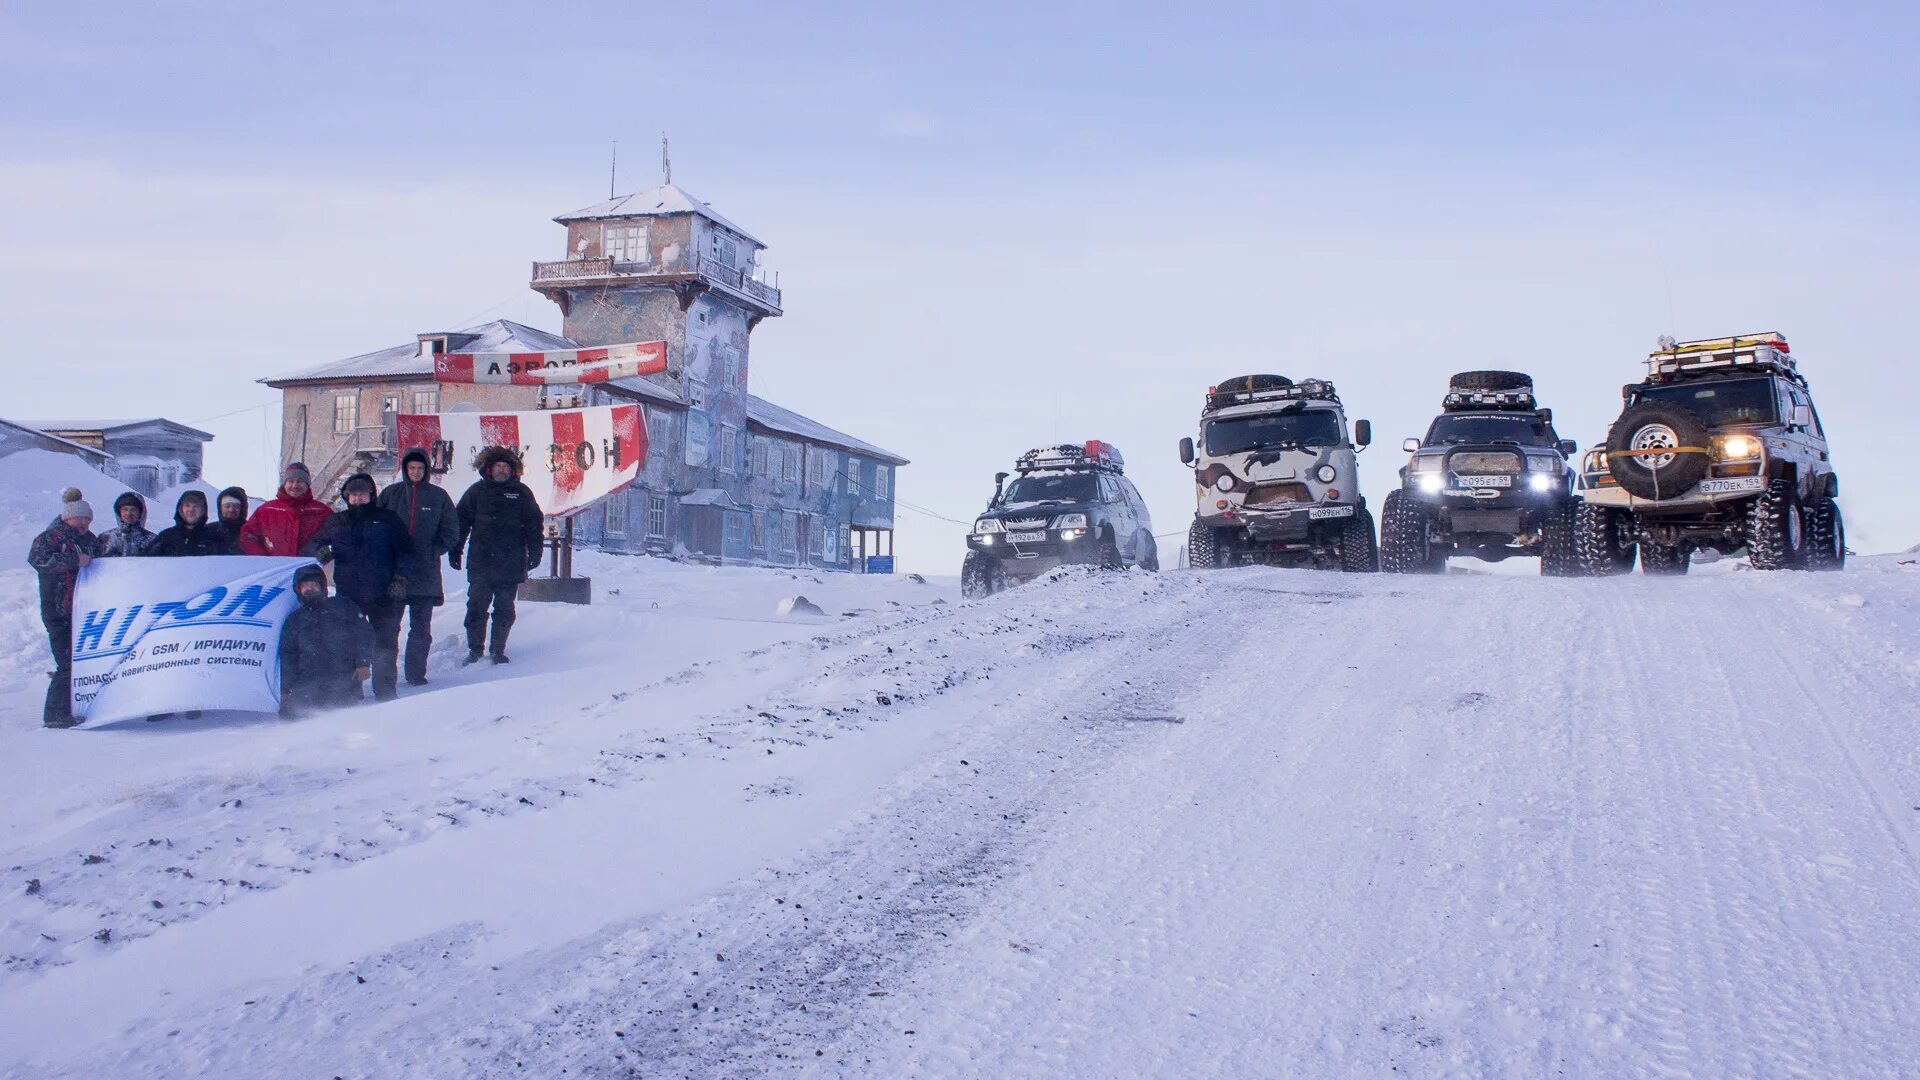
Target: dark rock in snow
point(800, 606)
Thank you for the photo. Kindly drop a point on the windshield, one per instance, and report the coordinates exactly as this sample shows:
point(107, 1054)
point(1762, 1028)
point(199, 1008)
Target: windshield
point(1527, 430)
point(1735, 401)
point(1052, 487)
point(1307, 427)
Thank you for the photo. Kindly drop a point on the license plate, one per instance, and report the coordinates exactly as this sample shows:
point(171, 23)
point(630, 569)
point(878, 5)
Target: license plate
point(1027, 537)
point(1319, 512)
point(1484, 481)
point(1740, 483)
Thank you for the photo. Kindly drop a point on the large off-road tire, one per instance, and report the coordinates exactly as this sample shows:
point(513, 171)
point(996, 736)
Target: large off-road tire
point(1557, 555)
point(1203, 551)
point(1491, 380)
point(1359, 554)
point(1826, 536)
point(1602, 540)
point(980, 575)
point(1658, 426)
point(1149, 556)
point(1660, 559)
point(1406, 530)
point(1110, 557)
point(1776, 529)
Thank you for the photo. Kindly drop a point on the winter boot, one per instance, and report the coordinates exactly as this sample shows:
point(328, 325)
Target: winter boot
point(500, 657)
point(473, 657)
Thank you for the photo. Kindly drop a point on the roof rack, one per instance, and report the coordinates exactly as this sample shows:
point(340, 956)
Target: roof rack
point(1504, 400)
point(1305, 390)
point(1674, 359)
point(1094, 454)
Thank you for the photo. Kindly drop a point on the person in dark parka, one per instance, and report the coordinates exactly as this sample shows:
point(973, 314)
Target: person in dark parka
point(129, 535)
point(500, 532)
point(427, 511)
point(372, 557)
point(57, 555)
point(233, 507)
point(326, 648)
point(191, 534)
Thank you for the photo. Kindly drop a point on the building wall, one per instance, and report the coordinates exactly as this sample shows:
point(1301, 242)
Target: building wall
point(321, 442)
point(669, 241)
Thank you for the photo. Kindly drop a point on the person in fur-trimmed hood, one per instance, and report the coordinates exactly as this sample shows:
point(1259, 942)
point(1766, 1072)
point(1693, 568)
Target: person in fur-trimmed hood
point(129, 535)
point(500, 531)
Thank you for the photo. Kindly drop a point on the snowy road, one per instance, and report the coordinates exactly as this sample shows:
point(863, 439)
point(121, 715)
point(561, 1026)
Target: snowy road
point(1249, 823)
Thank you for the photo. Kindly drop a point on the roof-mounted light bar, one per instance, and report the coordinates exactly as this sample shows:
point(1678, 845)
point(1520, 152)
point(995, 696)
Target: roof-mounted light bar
point(1305, 390)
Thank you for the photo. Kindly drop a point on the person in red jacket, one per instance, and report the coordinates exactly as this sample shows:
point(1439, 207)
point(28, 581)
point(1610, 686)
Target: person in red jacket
point(288, 522)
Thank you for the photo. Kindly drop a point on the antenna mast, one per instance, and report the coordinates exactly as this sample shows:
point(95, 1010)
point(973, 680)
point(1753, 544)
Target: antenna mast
point(666, 161)
point(613, 170)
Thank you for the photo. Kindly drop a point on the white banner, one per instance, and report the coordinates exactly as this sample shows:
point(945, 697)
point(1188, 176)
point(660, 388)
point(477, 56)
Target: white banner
point(572, 457)
point(168, 635)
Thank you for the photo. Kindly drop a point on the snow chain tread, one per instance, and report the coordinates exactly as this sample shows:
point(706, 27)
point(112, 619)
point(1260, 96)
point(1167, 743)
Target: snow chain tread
point(1404, 523)
point(1359, 554)
point(1768, 536)
point(1596, 547)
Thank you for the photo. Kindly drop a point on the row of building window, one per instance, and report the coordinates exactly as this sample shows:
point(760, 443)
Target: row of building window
point(765, 527)
point(346, 407)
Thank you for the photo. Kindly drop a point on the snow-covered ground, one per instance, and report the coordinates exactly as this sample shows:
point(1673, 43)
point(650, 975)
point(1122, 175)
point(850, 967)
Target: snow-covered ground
point(1243, 823)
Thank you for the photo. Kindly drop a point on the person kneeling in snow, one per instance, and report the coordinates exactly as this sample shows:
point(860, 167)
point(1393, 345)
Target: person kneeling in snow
point(326, 648)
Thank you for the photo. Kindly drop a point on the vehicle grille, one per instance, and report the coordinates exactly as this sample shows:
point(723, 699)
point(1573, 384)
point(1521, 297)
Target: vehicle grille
point(1484, 464)
point(1271, 494)
point(1024, 524)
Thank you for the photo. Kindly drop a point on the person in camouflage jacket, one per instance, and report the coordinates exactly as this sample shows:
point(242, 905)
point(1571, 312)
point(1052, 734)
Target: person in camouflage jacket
point(58, 555)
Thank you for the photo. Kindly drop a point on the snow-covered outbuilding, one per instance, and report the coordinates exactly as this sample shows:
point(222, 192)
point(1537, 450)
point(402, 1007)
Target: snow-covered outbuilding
point(728, 477)
point(149, 455)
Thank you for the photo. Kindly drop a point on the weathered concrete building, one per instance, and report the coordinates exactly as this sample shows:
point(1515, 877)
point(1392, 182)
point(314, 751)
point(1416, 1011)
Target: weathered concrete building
point(148, 455)
point(728, 476)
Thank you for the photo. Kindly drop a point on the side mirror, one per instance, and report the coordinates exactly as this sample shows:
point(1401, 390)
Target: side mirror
point(1186, 451)
point(1410, 444)
point(1362, 433)
point(1567, 447)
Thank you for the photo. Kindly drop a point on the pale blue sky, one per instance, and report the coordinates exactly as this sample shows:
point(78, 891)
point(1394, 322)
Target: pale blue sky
point(997, 225)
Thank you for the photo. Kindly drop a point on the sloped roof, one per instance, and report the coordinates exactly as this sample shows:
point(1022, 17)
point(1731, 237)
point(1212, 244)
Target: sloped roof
point(500, 335)
point(774, 418)
point(665, 199)
point(646, 390)
point(709, 497)
point(117, 425)
point(35, 431)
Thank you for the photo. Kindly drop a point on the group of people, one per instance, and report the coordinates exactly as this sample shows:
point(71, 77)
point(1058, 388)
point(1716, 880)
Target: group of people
point(385, 547)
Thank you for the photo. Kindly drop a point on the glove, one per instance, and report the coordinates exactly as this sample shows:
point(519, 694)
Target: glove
point(323, 554)
point(453, 559)
point(397, 590)
point(533, 562)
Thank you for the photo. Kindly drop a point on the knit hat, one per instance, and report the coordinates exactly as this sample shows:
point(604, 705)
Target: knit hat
point(296, 471)
point(73, 506)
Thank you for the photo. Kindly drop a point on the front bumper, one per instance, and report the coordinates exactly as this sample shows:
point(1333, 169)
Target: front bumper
point(1034, 557)
point(1287, 523)
point(1598, 486)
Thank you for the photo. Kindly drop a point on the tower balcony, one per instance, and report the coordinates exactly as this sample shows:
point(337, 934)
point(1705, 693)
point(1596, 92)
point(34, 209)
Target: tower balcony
point(553, 278)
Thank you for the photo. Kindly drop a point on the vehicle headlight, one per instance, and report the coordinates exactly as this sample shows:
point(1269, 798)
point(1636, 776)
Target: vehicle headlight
point(1225, 483)
point(1540, 482)
point(1738, 447)
point(988, 525)
point(1325, 474)
point(1425, 463)
point(1431, 482)
point(1541, 463)
point(1072, 534)
point(1070, 521)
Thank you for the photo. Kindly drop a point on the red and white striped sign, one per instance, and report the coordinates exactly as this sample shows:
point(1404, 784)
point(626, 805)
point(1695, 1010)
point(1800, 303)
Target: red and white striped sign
point(555, 367)
point(572, 457)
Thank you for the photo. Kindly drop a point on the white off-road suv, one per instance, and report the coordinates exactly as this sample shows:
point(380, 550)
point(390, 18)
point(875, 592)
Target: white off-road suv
point(1719, 448)
point(1275, 478)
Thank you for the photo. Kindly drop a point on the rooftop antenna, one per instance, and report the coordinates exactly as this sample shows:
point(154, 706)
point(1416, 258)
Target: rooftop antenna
point(613, 170)
point(666, 161)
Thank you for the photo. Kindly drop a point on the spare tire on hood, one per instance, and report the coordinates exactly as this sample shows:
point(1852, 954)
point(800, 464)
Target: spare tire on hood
point(1658, 449)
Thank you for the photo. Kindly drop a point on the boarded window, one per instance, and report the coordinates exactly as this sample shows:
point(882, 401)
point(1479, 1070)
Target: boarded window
point(790, 463)
point(787, 531)
point(760, 457)
point(882, 481)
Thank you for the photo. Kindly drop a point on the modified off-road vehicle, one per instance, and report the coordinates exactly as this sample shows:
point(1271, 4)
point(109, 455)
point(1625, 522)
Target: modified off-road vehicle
point(1720, 448)
point(1275, 478)
point(1068, 504)
point(1490, 480)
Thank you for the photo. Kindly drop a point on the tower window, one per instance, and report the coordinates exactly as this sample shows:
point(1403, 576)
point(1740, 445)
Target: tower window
point(624, 243)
